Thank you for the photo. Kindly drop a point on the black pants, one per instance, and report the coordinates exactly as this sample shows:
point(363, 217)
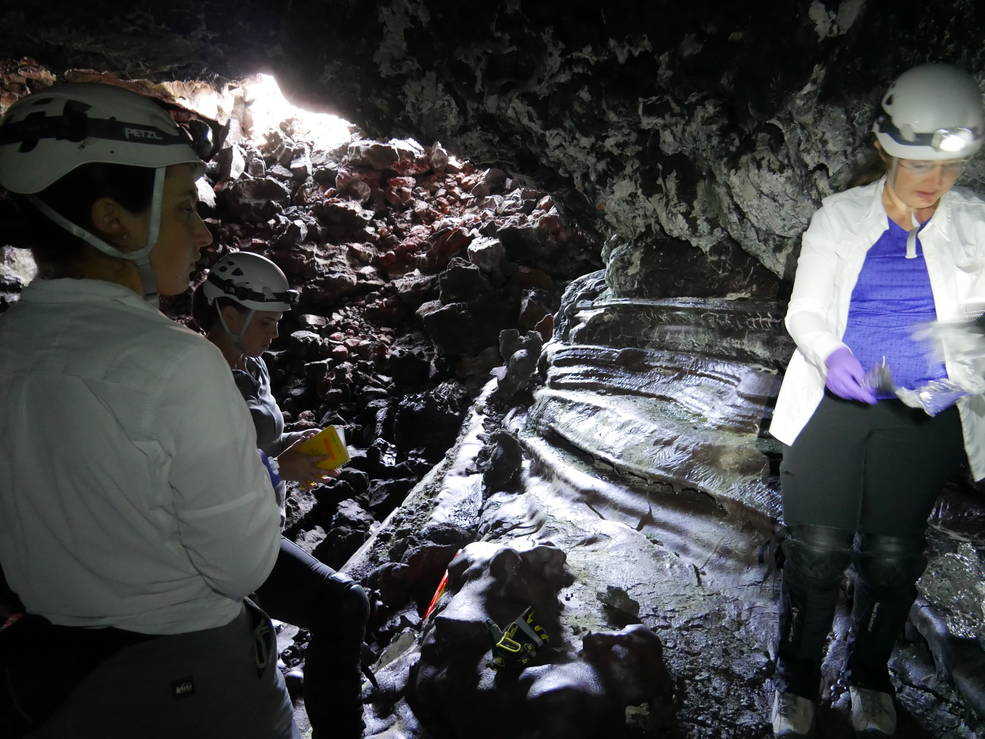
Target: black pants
point(302, 591)
point(858, 484)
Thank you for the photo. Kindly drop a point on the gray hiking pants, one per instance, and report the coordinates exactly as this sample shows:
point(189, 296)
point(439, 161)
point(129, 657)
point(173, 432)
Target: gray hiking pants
point(211, 684)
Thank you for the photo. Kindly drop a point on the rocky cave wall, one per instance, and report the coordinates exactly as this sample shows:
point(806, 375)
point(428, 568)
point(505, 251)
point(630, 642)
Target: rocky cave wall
point(702, 133)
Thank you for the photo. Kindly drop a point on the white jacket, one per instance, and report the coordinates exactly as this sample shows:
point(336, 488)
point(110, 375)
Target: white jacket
point(132, 494)
point(831, 257)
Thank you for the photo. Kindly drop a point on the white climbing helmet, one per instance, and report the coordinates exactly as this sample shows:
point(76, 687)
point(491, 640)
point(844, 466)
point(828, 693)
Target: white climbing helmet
point(931, 112)
point(251, 280)
point(48, 134)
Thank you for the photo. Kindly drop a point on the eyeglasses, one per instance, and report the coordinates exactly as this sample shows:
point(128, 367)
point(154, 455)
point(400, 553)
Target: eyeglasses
point(926, 166)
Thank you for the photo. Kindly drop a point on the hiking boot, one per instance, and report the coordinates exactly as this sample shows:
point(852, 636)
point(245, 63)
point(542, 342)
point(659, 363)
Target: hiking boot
point(873, 713)
point(792, 715)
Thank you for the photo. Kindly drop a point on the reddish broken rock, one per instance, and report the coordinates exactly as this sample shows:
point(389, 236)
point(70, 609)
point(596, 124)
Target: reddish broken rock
point(400, 190)
point(404, 156)
point(444, 246)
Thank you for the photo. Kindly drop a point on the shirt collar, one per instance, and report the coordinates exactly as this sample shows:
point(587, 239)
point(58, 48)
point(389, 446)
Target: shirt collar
point(70, 290)
point(876, 211)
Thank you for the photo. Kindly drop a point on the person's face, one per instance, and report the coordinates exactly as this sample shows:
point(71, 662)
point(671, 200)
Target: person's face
point(920, 184)
point(260, 332)
point(183, 234)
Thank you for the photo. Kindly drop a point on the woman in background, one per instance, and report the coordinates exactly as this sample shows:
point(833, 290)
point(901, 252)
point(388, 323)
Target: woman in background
point(239, 307)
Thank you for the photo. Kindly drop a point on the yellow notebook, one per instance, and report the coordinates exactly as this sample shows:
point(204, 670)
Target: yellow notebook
point(329, 441)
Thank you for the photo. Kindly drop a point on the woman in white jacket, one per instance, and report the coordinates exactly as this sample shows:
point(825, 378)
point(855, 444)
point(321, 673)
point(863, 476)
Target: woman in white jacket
point(135, 510)
point(862, 469)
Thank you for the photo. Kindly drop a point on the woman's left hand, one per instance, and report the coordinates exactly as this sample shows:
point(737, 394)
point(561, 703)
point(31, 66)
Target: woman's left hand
point(303, 468)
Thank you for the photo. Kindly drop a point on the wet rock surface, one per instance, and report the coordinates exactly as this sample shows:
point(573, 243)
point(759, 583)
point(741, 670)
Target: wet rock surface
point(689, 557)
point(674, 391)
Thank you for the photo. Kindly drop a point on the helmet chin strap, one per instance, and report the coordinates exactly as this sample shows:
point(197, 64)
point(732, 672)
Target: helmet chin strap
point(140, 257)
point(236, 337)
point(911, 234)
point(148, 279)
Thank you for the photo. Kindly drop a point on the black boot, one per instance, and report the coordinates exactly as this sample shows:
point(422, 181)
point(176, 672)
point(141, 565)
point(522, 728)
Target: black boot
point(303, 591)
point(332, 674)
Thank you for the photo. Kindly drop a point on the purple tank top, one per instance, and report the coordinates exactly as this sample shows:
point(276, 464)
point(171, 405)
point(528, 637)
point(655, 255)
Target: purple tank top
point(891, 296)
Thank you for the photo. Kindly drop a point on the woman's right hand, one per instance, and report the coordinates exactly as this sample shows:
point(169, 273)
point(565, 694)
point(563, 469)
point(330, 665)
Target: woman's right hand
point(846, 378)
point(300, 467)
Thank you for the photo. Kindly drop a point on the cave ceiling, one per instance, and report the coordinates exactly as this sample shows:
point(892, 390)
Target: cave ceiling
point(663, 127)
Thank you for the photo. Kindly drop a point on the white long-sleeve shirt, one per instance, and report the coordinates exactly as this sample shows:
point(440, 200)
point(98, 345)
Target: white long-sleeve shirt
point(831, 257)
point(131, 493)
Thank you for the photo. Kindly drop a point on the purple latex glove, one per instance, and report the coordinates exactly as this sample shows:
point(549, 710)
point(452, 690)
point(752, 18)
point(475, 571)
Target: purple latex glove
point(846, 378)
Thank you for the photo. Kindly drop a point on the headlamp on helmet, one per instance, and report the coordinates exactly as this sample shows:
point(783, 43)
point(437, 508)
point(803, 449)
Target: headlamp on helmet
point(952, 140)
point(932, 112)
point(48, 134)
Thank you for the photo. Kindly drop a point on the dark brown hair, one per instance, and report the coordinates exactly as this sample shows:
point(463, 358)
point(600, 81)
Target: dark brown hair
point(56, 251)
point(873, 166)
point(206, 316)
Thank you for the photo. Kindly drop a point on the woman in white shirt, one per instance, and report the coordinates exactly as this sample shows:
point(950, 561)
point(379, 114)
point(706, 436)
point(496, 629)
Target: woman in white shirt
point(862, 468)
point(136, 502)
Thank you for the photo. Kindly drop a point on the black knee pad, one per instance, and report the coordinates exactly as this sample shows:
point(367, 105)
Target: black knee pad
point(351, 595)
point(343, 601)
point(816, 556)
point(356, 604)
point(890, 562)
